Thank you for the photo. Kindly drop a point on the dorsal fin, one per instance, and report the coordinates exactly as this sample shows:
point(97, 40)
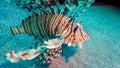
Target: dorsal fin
point(80, 9)
point(40, 7)
point(34, 12)
point(70, 8)
point(58, 10)
point(29, 16)
point(52, 10)
point(65, 11)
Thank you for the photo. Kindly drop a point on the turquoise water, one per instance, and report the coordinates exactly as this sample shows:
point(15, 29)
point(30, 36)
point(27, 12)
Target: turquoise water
point(102, 23)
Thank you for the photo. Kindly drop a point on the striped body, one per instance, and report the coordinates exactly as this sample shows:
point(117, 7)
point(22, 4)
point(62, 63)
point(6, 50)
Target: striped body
point(49, 25)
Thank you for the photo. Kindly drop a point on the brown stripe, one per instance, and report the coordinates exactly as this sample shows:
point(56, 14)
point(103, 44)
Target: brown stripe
point(67, 25)
point(58, 9)
point(62, 23)
point(37, 31)
point(67, 36)
point(53, 23)
point(52, 10)
point(33, 25)
point(65, 11)
point(38, 26)
point(43, 28)
point(51, 2)
point(30, 25)
point(27, 26)
point(41, 25)
point(81, 34)
point(11, 28)
point(23, 23)
point(45, 24)
point(49, 21)
point(18, 29)
point(59, 22)
point(72, 37)
point(67, 28)
point(76, 37)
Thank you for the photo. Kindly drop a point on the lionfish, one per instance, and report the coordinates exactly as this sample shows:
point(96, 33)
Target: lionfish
point(45, 23)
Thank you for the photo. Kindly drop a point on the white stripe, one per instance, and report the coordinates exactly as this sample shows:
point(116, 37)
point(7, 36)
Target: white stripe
point(22, 29)
point(66, 22)
point(61, 23)
point(66, 29)
point(16, 30)
point(56, 22)
point(13, 30)
point(51, 22)
point(68, 32)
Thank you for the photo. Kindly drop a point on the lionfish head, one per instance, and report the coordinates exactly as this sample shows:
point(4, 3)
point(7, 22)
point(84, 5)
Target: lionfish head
point(80, 36)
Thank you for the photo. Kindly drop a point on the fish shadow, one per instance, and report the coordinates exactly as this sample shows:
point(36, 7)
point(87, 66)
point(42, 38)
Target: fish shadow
point(68, 51)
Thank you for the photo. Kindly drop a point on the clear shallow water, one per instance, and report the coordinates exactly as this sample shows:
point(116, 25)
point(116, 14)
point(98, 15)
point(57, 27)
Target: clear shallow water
point(102, 23)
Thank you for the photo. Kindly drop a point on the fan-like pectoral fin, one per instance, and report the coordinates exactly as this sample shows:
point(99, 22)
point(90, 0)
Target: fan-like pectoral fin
point(54, 42)
point(24, 55)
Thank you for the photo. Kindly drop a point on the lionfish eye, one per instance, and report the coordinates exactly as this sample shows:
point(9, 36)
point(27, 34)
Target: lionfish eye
point(75, 29)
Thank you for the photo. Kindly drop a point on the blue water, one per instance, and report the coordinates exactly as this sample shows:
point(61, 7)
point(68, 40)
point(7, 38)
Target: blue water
point(102, 23)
